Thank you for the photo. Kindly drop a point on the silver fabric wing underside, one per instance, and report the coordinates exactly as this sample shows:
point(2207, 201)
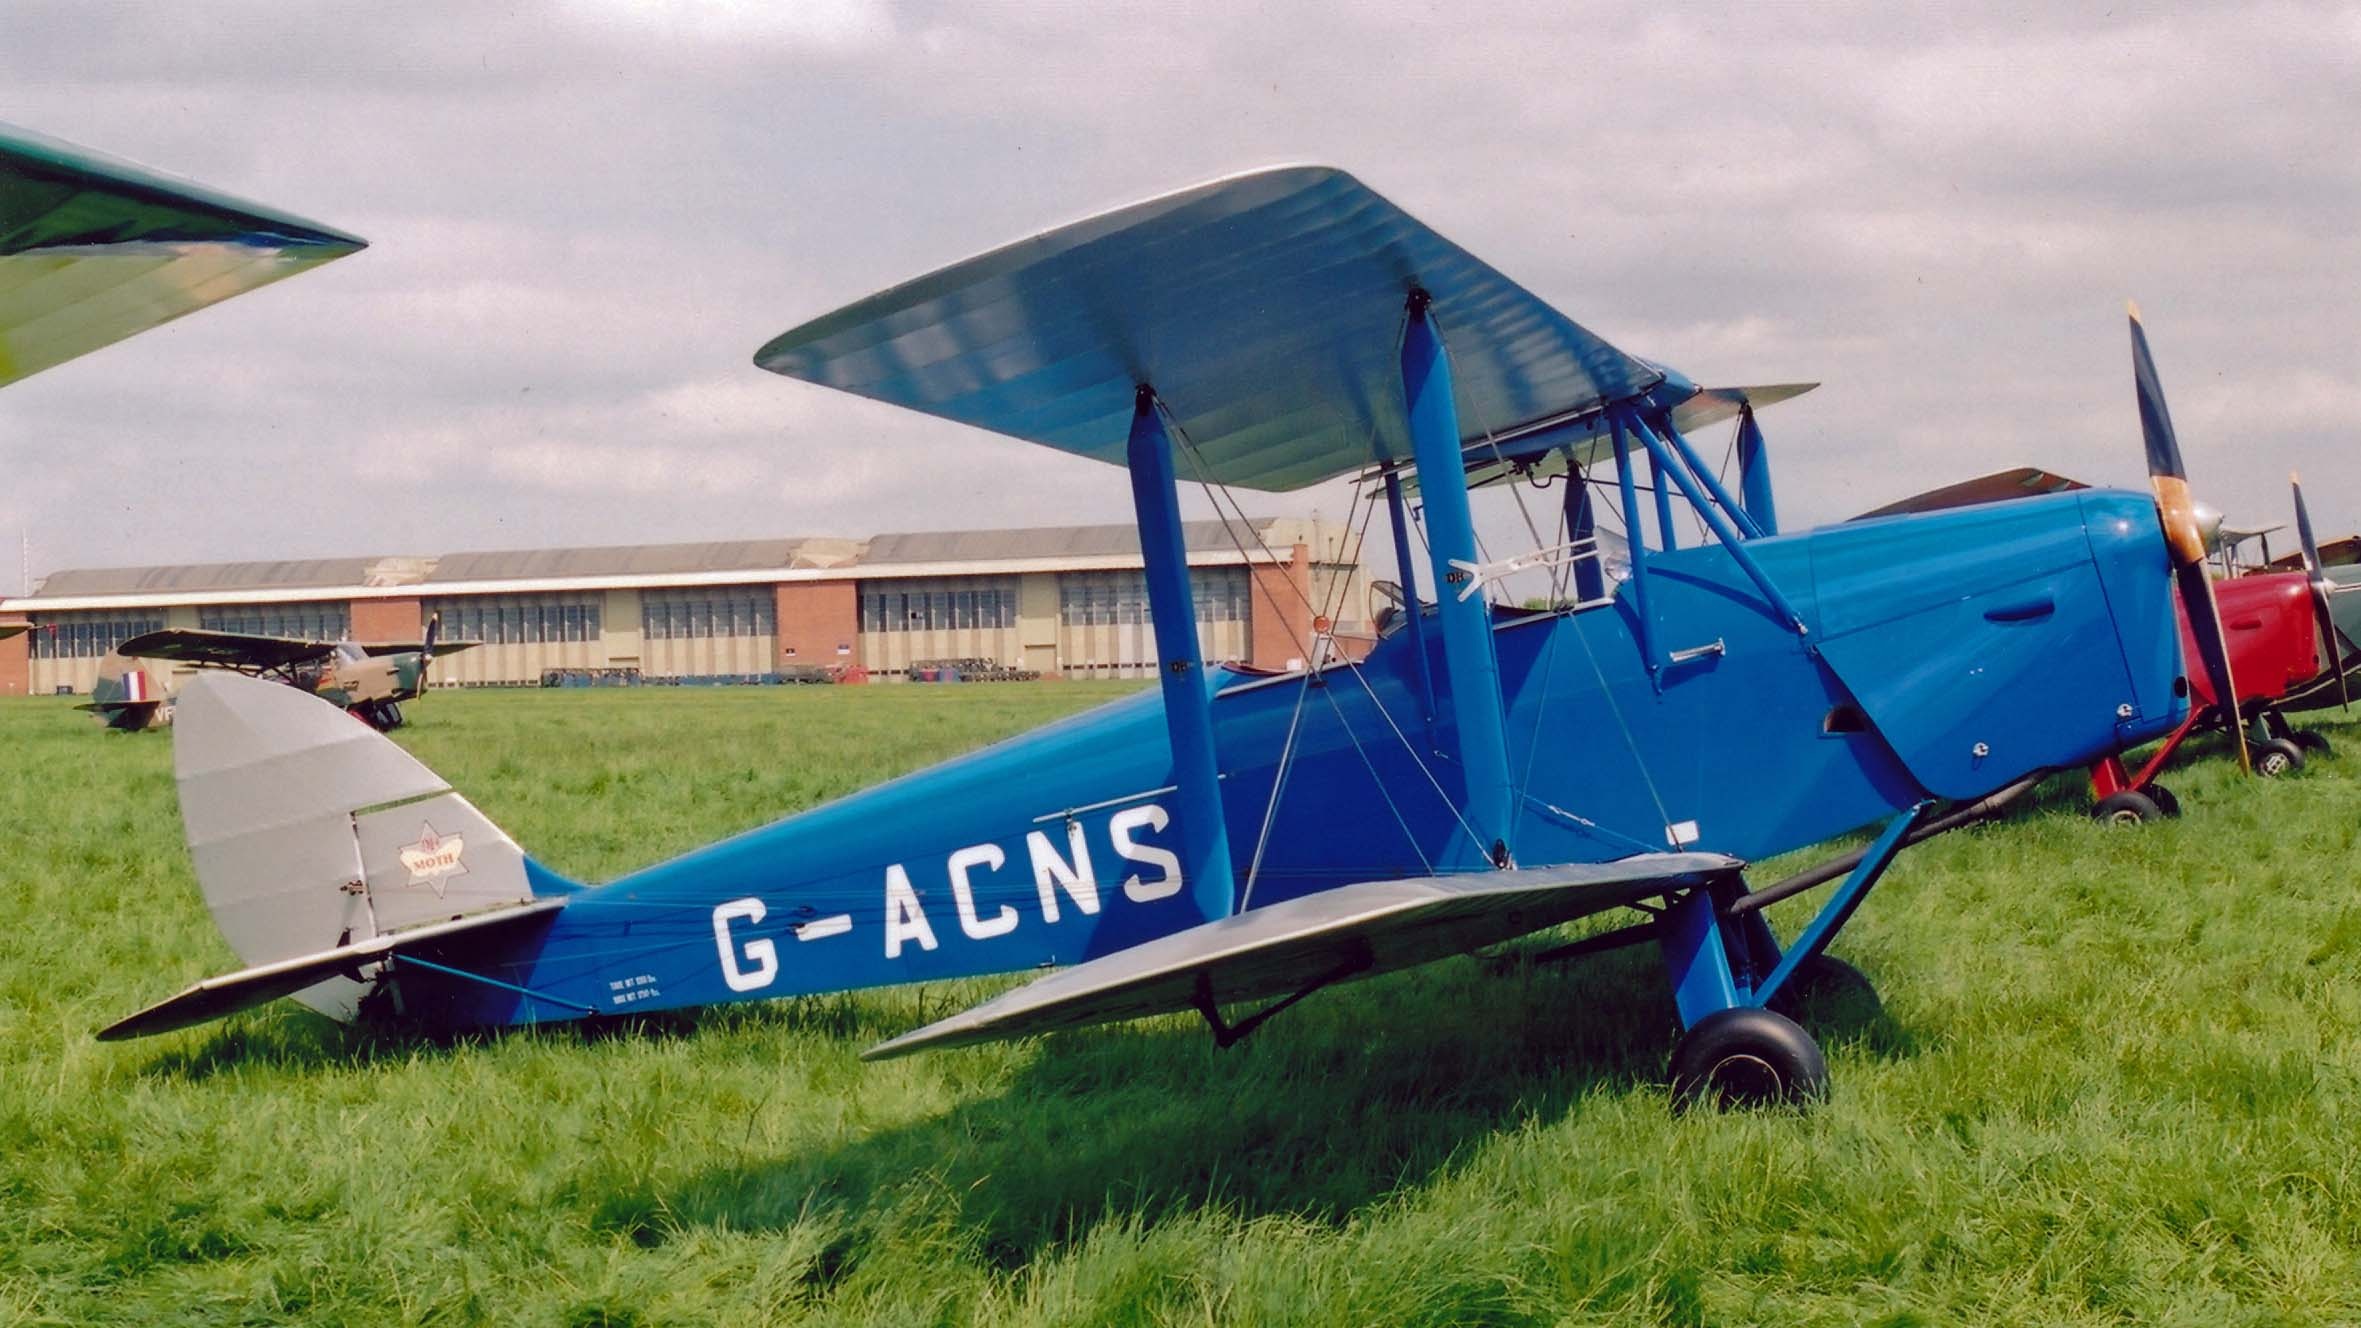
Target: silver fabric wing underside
point(1351, 931)
point(1266, 309)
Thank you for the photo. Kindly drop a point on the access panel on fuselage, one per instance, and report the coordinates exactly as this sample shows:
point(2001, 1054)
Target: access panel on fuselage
point(1991, 642)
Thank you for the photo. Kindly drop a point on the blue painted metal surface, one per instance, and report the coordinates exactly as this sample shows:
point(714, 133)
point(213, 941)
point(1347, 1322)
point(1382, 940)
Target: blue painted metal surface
point(1413, 615)
point(1754, 474)
point(1965, 671)
point(1188, 707)
point(1667, 535)
point(1729, 506)
point(1582, 523)
point(1635, 549)
point(1695, 960)
point(1839, 906)
point(1062, 844)
point(1471, 682)
point(1719, 523)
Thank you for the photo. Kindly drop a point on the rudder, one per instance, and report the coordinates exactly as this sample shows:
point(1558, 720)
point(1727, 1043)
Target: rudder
point(310, 830)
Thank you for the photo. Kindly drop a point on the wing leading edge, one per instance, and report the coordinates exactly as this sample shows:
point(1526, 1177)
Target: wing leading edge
point(234, 650)
point(1265, 309)
point(1351, 931)
point(93, 250)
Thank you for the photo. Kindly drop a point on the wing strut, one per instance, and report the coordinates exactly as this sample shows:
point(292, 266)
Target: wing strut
point(1471, 672)
point(1188, 703)
point(1754, 473)
point(1413, 612)
point(1227, 1035)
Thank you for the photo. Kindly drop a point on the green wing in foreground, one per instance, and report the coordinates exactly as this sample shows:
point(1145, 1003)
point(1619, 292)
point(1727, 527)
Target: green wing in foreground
point(93, 250)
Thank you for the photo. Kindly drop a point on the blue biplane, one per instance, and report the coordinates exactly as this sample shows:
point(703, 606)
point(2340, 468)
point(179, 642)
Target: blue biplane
point(1484, 773)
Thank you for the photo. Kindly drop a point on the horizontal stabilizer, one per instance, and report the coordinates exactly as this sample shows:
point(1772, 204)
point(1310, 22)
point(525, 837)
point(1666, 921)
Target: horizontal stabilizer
point(215, 998)
point(1351, 931)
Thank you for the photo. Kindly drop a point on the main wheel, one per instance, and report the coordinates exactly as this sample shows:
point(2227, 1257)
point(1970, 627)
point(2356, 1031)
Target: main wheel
point(2277, 757)
point(2314, 742)
point(1747, 1057)
point(2130, 807)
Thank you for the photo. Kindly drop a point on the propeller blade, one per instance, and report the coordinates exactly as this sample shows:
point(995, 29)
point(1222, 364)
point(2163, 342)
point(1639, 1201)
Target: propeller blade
point(2167, 476)
point(434, 632)
point(2321, 590)
point(2213, 648)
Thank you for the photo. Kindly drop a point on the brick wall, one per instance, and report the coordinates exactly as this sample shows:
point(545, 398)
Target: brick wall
point(1281, 617)
point(815, 617)
point(386, 620)
point(16, 664)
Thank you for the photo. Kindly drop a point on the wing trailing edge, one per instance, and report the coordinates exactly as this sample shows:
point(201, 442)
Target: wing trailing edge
point(1352, 931)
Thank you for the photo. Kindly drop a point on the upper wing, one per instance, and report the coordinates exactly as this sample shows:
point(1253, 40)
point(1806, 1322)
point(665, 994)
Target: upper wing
point(441, 648)
point(1997, 487)
point(93, 250)
point(193, 645)
point(1539, 452)
point(1265, 309)
point(1351, 931)
point(8, 630)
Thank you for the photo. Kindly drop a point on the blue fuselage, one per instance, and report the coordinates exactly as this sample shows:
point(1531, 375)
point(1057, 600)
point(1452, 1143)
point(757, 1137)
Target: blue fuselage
point(1946, 656)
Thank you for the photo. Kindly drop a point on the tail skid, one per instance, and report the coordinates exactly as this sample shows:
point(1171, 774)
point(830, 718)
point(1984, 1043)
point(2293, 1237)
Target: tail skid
point(322, 848)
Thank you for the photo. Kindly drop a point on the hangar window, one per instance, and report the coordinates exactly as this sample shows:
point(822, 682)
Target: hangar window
point(507, 620)
point(704, 613)
point(938, 605)
point(1108, 599)
point(330, 621)
point(85, 635)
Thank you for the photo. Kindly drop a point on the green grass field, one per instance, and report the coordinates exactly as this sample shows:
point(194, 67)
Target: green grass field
point(2116, 1080)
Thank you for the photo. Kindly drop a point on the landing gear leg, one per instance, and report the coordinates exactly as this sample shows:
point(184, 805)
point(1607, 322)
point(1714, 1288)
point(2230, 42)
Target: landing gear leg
point(1734, 1054)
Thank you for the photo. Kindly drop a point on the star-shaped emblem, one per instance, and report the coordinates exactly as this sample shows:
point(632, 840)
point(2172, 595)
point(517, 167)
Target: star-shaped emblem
point(434, 859)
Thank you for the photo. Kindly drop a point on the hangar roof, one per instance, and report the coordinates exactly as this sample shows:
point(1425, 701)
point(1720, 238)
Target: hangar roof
point(724, 562)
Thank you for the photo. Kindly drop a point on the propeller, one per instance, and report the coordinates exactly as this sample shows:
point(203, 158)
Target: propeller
point(2322, 588)
point(434, 632)
point(2169, 478)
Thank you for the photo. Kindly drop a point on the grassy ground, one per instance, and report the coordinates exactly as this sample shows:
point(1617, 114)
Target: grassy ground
point(2115, 1081)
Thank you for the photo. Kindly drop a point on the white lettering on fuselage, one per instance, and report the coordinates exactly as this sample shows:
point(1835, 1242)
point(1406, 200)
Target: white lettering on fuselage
point(760, 952)
point(905, 921)
point(963, 893)
point(1120, 828)
point(1052, 872)
point(751, 963)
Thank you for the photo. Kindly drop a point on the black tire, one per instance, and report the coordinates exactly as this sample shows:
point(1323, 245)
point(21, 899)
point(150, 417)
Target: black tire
point(1824, 991)
point(2314, 742)
point(2130, 807)
point(2277, 757)
point(2163, 798)
point(1747, 1057)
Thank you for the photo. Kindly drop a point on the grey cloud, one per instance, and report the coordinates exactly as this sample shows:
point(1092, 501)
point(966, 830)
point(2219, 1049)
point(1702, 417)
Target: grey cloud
point(584, 222)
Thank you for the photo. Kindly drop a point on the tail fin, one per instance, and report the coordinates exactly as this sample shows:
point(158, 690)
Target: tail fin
point(312, 832)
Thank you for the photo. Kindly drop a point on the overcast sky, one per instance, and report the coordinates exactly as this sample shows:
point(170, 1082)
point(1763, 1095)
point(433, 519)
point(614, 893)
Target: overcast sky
point(584, 217)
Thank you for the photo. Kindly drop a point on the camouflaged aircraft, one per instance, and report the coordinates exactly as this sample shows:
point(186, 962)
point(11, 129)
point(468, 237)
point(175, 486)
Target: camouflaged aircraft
point(370, 679)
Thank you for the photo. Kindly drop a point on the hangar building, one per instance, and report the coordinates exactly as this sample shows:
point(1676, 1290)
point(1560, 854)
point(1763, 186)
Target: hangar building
point(1066, 601)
